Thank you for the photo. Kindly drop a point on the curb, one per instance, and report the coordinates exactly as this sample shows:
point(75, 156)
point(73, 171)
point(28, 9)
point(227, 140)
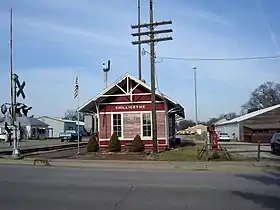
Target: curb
point(150, 166)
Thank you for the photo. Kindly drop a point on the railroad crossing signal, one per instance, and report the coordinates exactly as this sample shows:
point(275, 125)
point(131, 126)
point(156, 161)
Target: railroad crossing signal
point(4, 109)
point(20, 88)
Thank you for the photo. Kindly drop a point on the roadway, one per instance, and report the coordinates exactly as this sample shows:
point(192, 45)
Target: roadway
point(44, 188)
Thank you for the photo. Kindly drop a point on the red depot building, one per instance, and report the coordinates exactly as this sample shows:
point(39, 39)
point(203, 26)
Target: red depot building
point(125, 107)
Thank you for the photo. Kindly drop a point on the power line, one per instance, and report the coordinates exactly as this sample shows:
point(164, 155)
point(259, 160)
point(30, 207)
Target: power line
point(219, 59)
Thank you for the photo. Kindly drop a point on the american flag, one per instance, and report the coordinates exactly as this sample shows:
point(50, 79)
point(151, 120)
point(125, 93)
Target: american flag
point(76, 88)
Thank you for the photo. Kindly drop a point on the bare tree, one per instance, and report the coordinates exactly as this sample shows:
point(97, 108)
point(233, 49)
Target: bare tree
point(230, 115)
point(72, 114)
point(266, 95)
point(183, 124)
point(213, 120)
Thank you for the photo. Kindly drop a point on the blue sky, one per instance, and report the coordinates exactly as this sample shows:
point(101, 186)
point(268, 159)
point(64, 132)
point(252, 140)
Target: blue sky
point(55, 40)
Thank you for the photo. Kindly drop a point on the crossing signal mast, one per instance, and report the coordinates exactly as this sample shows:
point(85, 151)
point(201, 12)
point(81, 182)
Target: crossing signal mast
point(12, 110)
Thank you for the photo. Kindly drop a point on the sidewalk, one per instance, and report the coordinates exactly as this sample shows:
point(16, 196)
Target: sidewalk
point(154, 165)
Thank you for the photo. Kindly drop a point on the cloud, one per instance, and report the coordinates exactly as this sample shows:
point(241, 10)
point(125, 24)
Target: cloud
point(212, 17)
point(268, 26)
point(77, 33)
point(50, 90)
point(56, 39)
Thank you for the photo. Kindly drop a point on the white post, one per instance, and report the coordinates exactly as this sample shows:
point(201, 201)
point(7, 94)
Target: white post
point(78, 125)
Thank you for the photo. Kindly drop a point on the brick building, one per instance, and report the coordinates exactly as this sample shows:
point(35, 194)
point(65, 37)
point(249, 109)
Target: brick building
point(125, 107)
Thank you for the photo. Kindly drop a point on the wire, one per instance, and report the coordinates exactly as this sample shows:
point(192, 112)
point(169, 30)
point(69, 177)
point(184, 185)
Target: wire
point(220, 59)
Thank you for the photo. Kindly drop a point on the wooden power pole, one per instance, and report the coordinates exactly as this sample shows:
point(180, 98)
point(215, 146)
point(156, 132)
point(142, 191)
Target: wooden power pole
point(139, 45)
point(151, 33)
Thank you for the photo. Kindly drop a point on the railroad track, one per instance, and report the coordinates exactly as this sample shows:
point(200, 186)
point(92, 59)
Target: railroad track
point(28, 151)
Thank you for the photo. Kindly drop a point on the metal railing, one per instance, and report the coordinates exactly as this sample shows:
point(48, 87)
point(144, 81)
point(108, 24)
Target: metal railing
point(223, 148)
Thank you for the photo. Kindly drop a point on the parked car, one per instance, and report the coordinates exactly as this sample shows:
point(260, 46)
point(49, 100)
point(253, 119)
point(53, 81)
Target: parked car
point(275, 143)
point(224, 137)
point(2, 137)
point(70, 135)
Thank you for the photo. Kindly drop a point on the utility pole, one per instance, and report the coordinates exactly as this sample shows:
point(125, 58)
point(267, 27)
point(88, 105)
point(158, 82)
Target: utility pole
point(139, 45)
point(195, 95)
point(13, 89)
point(11, 67)
point(151, 33)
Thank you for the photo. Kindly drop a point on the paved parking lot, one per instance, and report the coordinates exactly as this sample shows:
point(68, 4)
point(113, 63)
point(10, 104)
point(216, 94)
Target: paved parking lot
point(239, 146)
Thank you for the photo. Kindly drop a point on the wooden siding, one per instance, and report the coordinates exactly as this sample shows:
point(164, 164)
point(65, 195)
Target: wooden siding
point(148, 145)
point(161, 125)
point(105, 126)
point(131, 125)
point(249, 135)
point(140, 89)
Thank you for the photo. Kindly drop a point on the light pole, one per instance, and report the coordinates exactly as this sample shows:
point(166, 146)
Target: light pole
point(195, 95)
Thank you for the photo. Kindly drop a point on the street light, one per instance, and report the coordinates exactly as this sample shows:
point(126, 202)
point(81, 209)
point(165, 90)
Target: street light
point(195, 95)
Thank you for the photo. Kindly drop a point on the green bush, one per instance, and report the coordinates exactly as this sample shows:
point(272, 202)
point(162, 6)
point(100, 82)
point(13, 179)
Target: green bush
point(92, 145)
point(137, 144)
point(114, 144)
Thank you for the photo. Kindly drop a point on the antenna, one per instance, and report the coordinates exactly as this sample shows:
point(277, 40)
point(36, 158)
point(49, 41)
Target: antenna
point(106, 69)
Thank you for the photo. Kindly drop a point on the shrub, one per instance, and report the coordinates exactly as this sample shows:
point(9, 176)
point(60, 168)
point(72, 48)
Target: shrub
point(92, 145)
point(114, 144)
point(137, 144)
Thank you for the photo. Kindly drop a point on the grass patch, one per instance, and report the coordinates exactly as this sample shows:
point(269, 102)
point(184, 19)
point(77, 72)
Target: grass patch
point(187, 153)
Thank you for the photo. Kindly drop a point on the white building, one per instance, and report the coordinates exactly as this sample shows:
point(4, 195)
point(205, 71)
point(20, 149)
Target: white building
point(31, 128)
point(59, 125)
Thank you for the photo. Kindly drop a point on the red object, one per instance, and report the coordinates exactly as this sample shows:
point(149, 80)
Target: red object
point(213, 137)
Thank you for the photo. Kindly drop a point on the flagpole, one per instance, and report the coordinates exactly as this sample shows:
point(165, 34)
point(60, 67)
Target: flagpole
point(78, 107)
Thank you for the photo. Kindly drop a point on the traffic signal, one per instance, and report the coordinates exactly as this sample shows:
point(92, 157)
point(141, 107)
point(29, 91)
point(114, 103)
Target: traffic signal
point(17, 109)
point(25, 110)
point(4, 109)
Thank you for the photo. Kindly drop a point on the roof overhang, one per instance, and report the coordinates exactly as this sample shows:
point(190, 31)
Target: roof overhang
point(91, 105)
point(264, 126)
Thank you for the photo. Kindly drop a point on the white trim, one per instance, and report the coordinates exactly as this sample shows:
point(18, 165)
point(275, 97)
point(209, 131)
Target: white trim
point(126, 94)
point(129, 139)
point(98, 119)
point(135, 88)
point(158, 111)
point(127, 85)
point(112, 125)
point(121, 89)
point(138, 102)
point(141, 124)
point(146, 145)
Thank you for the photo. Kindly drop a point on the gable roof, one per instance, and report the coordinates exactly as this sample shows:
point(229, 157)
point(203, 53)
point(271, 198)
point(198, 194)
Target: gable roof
point(127, 75)
point(250, 115)
point(29, 121)
point(61, 120)
point(220, 121)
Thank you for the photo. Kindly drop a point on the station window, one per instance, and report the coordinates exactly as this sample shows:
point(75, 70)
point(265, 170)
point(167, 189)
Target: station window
point(146, 125)
point(117, 124)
